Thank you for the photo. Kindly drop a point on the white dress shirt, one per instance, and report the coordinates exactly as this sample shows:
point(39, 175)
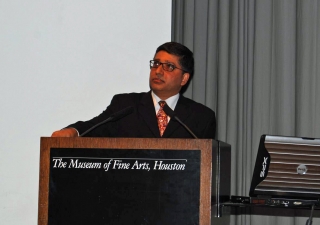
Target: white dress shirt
point(171, 102)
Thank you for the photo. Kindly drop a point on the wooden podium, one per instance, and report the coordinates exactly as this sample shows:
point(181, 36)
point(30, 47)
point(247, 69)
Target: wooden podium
point(132, 180)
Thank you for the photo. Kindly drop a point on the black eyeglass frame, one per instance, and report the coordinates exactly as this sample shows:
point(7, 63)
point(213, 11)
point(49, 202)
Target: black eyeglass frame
point(161, 64)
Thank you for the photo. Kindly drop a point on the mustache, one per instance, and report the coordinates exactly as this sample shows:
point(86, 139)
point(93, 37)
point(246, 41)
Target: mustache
point(158, 76)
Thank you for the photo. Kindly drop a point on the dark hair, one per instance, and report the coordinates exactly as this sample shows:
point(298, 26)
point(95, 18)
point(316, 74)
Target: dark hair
point(186, 59)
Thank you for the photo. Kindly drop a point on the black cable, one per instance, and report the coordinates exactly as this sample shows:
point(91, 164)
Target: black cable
point(309, 221)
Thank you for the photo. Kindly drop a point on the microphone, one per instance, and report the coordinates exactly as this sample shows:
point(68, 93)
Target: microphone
point(172, 114)
point(116, 116)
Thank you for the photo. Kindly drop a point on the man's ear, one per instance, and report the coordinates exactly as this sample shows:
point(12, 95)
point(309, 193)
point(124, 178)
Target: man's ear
point(185, 78)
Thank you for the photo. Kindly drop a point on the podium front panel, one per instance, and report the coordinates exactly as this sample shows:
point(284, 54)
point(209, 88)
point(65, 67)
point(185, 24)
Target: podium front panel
point(127, 186)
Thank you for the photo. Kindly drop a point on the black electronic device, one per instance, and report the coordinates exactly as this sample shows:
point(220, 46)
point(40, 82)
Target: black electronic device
point(286, 168)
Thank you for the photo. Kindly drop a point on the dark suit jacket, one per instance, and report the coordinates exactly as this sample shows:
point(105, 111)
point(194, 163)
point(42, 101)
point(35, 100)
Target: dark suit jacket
point(143, 121)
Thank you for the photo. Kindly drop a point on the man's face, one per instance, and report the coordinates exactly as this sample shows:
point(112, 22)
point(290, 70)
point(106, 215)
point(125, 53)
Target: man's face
point(164, 83)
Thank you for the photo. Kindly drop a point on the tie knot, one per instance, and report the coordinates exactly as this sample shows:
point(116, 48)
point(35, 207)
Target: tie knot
point(162, 103)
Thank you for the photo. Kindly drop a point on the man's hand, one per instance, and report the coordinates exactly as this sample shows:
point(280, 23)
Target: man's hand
point(68, 132)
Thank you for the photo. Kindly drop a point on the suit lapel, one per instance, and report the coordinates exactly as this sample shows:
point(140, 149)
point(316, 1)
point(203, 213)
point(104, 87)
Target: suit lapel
point(182, 112)
point(147, 112)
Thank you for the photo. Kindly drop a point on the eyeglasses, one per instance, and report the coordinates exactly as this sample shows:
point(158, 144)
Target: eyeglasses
point(165, 66)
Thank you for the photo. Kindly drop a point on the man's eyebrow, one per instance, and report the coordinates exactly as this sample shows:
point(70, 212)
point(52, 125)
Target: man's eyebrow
point(166, 61)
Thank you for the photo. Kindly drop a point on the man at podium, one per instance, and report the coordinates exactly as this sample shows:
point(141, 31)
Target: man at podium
point(170, 69)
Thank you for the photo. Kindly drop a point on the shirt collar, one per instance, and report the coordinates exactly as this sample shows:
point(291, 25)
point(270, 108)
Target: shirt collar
point(171, 102)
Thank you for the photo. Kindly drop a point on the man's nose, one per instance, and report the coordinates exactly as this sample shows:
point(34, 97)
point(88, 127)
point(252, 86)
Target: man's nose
point(159, 69)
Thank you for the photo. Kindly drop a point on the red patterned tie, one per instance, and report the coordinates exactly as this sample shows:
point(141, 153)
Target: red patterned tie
point(162, 118)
